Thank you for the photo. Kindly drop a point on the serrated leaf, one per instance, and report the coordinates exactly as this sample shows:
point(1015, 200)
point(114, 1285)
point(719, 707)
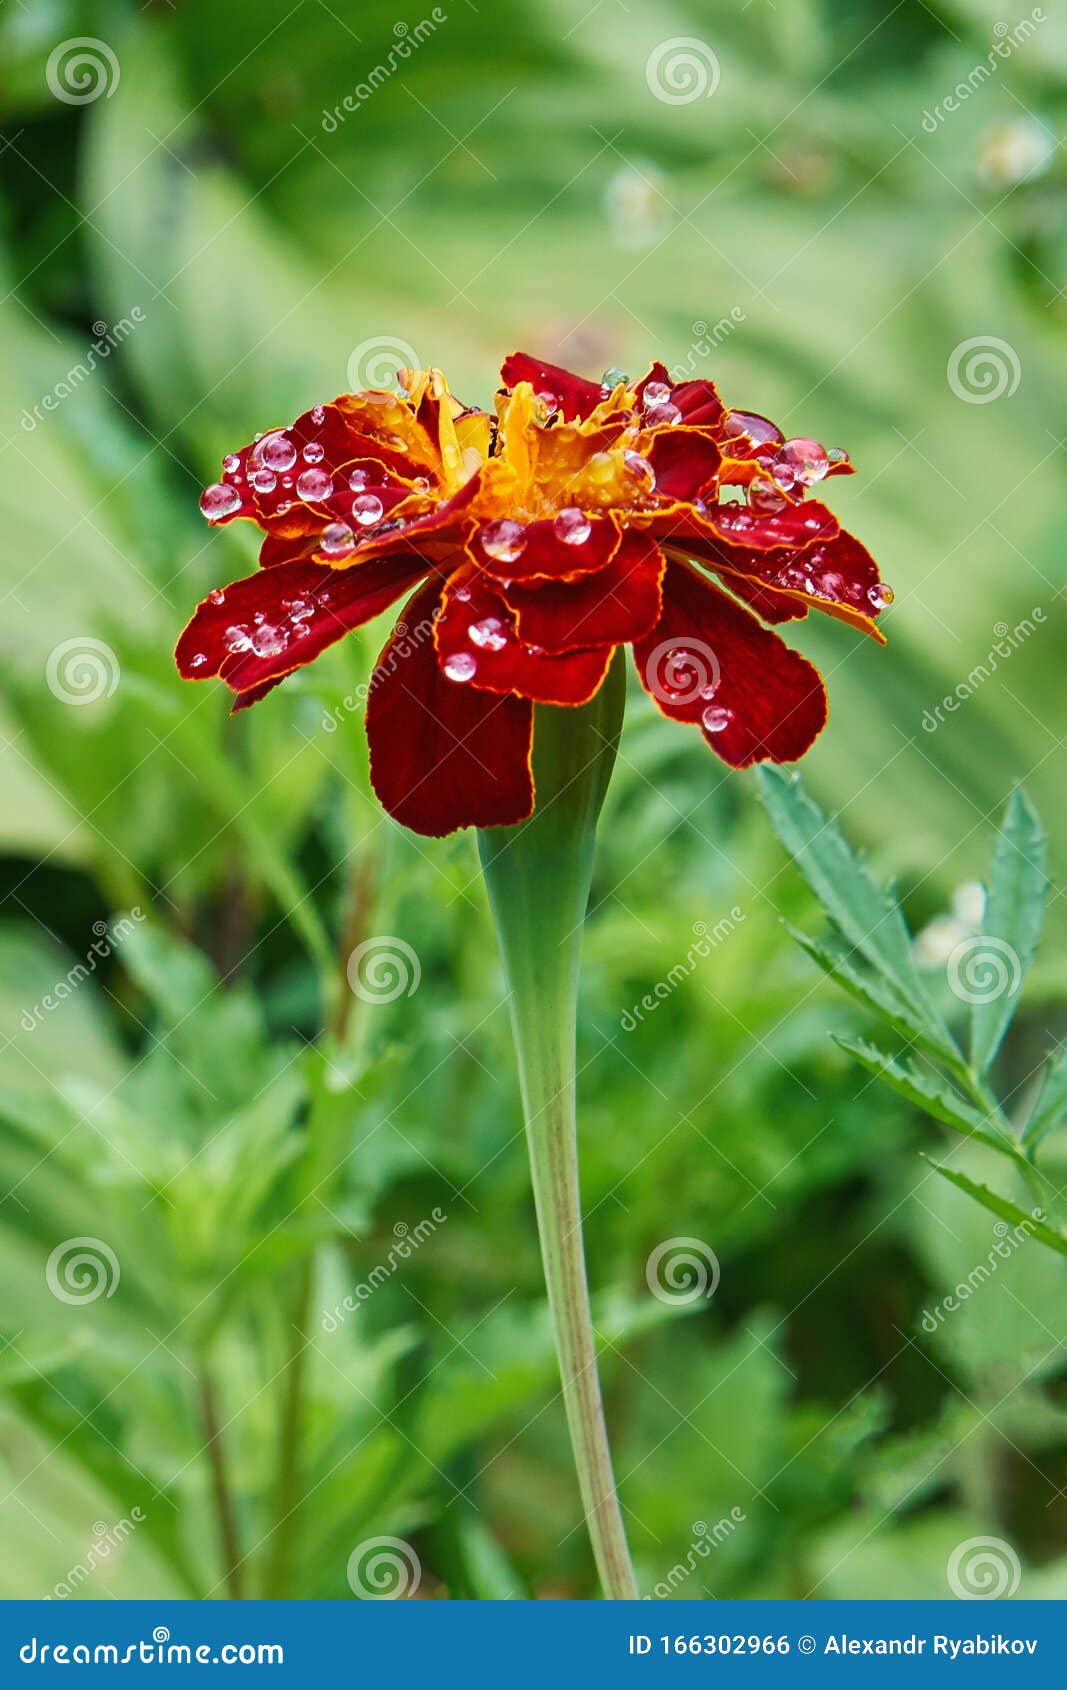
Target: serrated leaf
point(1000, 957)
point(866, 914)
point(929, 1093)
point(1051, 1105)
point(1003, 1208)
point(876, 994)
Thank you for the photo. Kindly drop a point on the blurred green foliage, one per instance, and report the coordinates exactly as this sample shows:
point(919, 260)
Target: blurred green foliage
point(514, 182)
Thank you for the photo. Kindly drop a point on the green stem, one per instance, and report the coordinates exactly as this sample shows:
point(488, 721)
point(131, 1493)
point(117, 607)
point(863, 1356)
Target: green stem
point(538, 875)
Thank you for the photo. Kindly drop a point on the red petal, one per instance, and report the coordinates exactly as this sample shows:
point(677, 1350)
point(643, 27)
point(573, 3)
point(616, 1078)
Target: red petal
point(301, 608)
point(576, 396)
point(545, 554)
point(703, 639)
point(617, 604)
point(685, 460)
point(444, 754)
point(473, 607)
point(735, 525)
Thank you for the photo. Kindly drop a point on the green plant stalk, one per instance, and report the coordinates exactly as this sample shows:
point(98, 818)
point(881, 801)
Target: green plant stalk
point(538, 874)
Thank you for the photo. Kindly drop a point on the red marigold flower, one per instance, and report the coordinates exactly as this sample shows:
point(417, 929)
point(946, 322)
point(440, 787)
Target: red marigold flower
point(577, 518)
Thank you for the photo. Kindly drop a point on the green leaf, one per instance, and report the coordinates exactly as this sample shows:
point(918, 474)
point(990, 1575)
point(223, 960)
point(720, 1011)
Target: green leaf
point(1003, 1208)
point(876, 994)
point(1001, 956)
point(1051, 1105)
point(931, 1094)
point(866, 914)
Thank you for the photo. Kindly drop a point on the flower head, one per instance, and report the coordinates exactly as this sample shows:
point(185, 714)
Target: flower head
point(533, 541)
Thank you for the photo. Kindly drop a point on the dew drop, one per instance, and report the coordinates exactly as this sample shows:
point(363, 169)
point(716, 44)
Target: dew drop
point(549, 400)
point(709, 691)
point(313, 452)
point(198, 661)
point(805, 458)
point(299, 609)
point(837, 454)
point(337, 537)
point(613, 378)
point(503, 541)
point(238, 638)
point(881, 595)
point(268, 641)
point(489, 634)
point(276, 452)
point(662, 416)
point(461, 593)
point(601, 468)
point(765, 497)
point(572, 526)
point(641, 470)
point(263, 480)
point(357, 480)
point(318, 414)
point(460, 666)
point(231, 463)
point(367, 509)
point(716, 717)
point(656, 393)
point(218, 501)
point(217, 596)
point(314, 484)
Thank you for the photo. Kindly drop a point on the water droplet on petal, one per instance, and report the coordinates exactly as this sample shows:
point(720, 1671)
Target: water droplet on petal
point(357, 480)
point(613, 378)
point(298, 609)
point(830, 584)
point(709, 691)
point(601, 468)
point(276, 452)
point(231, 463)
point(765, 497)
point(198, 661)
point(662, 416)
point(572, 526)
point(367, 509)
point(238, 638)
point(489, 633)
point(549, 401)
point(460, 666)
point(716, 717)
point(313, 452)
point(881, 595)
point(759, 429)
point(218, 501)
point(337, 537)
point(641, 470)
point(837, 454)
point(318, 414)
point(805, 458)
point(263, 480)
point(314, 484)
point(656, 393)
point(217, 596)
point(268, 641)
point(503, 541)
point(461, 593)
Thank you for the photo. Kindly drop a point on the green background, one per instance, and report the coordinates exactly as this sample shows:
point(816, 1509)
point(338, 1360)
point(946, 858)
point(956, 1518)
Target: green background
point(514, 181)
